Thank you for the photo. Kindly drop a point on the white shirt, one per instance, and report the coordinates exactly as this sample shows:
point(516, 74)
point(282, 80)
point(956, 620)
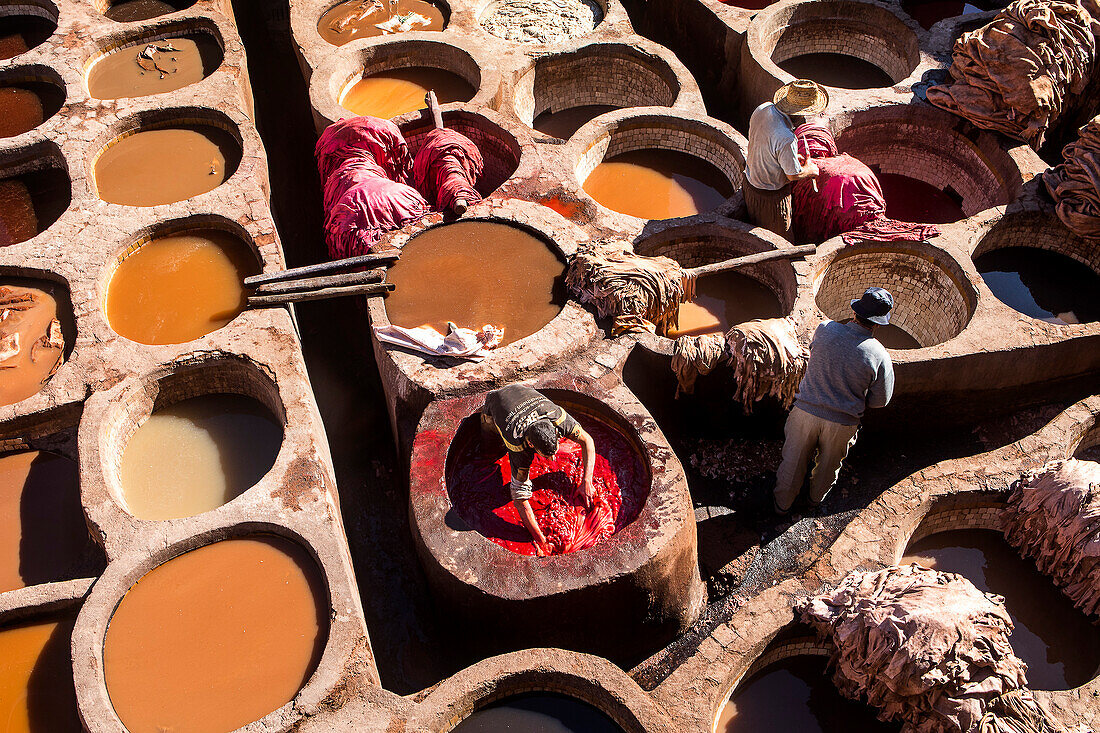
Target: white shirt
point(773, 149)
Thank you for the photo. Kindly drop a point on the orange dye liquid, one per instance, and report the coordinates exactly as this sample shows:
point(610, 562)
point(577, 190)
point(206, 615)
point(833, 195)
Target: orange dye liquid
point(723, 300)
point(395, 92)
point(179, 288)
point(216, 638)
point(32, 345)
point(36, 679)
point(129, 73)
point(657, 184)
point(161, 166)
point(42, 529)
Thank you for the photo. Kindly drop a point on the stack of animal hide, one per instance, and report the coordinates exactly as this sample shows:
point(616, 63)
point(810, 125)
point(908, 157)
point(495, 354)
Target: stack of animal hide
point(696, 356)
point(640, 293)
point(1075, 184)
point(926, 648)
point(1053, 517)
point(1018, 74)
point(767, 361)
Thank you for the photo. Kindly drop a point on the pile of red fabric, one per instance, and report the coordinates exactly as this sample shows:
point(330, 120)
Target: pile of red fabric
point(364, 163)
point(848, 199)
point(446, 168)
point(1075, 184)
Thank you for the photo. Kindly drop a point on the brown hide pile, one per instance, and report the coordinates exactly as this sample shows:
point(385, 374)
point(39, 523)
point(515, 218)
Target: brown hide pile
point(1053, 517)
point(696, 356)
point(1075, 184)
point(767, 360)
point(925, 648)
point(640, 293)
point(1018, 74)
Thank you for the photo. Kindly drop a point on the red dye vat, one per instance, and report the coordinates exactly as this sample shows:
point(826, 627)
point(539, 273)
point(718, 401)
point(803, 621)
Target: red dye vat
point(910, 199)
point(479, 474)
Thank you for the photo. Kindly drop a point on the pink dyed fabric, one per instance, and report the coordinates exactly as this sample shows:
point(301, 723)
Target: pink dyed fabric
point(364, 163)
point(446, 168)
point(849, 199)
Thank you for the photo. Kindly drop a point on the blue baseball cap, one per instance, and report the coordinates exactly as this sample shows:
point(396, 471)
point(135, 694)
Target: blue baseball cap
point(874, 306)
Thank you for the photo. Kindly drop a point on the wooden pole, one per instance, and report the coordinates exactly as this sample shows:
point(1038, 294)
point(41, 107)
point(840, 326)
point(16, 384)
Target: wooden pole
point(313, 283)
point(732, 264)
point(263, 301)
point(296, 272)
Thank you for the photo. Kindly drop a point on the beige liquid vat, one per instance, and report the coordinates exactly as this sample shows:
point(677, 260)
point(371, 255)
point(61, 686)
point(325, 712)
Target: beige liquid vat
point(162, 166)
point(161, 66)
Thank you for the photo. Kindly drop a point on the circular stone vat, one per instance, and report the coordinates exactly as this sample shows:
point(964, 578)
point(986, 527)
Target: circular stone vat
point(538, 712)
point(25, 25)
point(36, 334)
point(791, 690)
point(541, 21)
point(178, 287)
point(155, 64)
point(564, 91)
point(29, 97)
point(166, 163)
point(640, 582)
point(1088, 447)
point(477, 272)
point(723, 300)
point(36, 687)
point(933, 168)
point(396, 92)
point(933, 301)
point(656, 167)
point(851, 45)
point(354, 19)
point(195, 455)
point(217, 637)
point(128, 11)
point(34, 192)
point(1034, 265)
point(1059, 643)
point(499, 148)
point(477, 484)
point(43, 536)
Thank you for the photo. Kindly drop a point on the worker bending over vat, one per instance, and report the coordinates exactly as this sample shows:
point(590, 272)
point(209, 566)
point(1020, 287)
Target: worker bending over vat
point(774, 161)
point(848, 372)
point(528, 422)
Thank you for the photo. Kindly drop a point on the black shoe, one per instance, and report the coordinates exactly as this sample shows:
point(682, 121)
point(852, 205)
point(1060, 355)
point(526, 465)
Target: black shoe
point(778, 511)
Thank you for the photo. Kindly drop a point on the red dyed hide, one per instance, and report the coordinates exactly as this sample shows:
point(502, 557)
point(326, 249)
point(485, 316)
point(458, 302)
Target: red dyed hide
point(446, 168)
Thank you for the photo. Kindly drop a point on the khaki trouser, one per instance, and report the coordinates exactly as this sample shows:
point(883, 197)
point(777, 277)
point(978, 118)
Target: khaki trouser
point(769, 209)
point(805, 434)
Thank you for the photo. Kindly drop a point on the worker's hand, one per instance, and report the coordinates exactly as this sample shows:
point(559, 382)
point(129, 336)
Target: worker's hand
point(542, 549)
point(812, 170)
point(589, 492)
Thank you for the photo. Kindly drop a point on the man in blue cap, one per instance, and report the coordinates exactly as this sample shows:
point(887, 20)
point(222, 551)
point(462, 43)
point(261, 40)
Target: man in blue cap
point(848, 371)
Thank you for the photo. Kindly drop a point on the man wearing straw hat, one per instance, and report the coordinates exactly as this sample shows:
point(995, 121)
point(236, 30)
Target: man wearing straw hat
point(774, 163)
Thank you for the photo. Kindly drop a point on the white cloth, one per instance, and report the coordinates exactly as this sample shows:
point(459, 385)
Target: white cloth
point(773, 149)
point(460, 343)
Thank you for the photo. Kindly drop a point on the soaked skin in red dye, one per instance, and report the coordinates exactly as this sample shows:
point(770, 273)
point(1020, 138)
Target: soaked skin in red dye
point(478, 485)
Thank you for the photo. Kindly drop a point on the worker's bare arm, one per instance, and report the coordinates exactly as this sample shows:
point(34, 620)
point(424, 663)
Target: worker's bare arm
point(527, 516)
point(809, 170)
point(588, 453)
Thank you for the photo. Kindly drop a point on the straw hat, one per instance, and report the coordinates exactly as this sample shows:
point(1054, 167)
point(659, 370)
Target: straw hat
point(801, 97)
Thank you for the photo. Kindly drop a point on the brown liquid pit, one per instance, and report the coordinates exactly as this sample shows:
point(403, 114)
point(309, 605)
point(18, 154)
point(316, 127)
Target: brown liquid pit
point(18, 221)
point(36, 678)
point(21, 33)
point(196, 455)
point(163, 166)
point(657, 184)
point(723, 300)
point(354, 19)
point(20, 111)
point(216, 638)
point(131, 10)
point(154, 68)
point(563, 123)
point(1058, 643)
point(42, 530)
point(476, 273)
point(179, 288)
point(391, 93)
point(32, 342)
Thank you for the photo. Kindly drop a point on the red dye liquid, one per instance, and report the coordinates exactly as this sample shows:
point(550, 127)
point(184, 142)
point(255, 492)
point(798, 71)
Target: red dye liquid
point(480, 473)
point(909, 199)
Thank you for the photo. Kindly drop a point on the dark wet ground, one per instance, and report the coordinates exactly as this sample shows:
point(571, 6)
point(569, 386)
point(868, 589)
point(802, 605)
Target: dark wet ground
point(730, 458)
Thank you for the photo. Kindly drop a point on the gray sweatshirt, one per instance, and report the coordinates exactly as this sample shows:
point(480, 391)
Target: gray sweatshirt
point(849, 371)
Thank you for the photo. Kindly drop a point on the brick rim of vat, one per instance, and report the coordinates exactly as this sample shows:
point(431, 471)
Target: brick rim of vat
point(36, 73)
point(192, 224)
point(664, 514)
point(38, 156)
point(315, 10)
point(89, 635)
point(655, 60)
point(583, 677)
point(164, 119)
point(141, 396)
point(736, 238)
point(482, 6)
point(347, 64)
point(101, 7)
point(920, 252)
point(123, 38)
point(773, 22)
point(683, 126)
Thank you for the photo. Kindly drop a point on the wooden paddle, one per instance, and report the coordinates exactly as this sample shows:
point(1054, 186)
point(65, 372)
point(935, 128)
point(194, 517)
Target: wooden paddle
point(736, 262)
